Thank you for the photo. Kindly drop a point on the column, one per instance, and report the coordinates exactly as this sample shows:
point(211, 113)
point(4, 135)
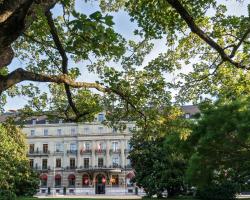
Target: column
point(122, 154)
point(79, 161)
point(108, 160)
point(93, 145)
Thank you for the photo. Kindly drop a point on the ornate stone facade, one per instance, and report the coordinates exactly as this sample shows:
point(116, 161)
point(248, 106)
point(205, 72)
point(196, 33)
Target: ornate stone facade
point(80, 158)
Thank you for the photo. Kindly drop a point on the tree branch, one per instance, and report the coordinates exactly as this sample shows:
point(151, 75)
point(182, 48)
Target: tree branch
point(198, 31)
point(63, 54)
point(20, 75)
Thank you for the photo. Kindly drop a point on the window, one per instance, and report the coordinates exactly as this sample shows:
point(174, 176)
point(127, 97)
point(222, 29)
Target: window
point(85, 180)
point(100, 129)
point(115, 146)
point(101, 117)
point(187, 115)
point(100, 162)
point(115, 161)
point(86, 130)
point(33, 121)
point(43, 179)
point(128, 146)
point(45, 148)
point(102, 146)
point(115, 180)
point(87, 146)
point(44, 163)
point(58, 162)
point(59, 147)
point(45, 132)
point(73, 131)
point(71, 179)
point(31, 148)
point(86, 163)
point(59, 132)
point(73, 147)
point(72, 162)
point(32, 132)
point(114, 130)
point(31, 163)
point(58, 181)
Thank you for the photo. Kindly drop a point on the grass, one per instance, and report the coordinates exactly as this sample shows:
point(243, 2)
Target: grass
point(30, 198)
point(178, 198)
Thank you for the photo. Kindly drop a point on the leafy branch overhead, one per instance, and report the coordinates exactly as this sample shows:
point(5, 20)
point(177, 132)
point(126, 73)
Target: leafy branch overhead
point(62, 48)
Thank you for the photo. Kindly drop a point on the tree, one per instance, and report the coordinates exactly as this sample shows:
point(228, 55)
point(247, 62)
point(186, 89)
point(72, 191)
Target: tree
point(214, 46)
point(156, 157)
point(219, 43)
point(220, 142)
point(15, 173)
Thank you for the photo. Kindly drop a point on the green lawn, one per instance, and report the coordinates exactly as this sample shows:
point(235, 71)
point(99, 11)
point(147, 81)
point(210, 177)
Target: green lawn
point(179, 198)
point(25, 198)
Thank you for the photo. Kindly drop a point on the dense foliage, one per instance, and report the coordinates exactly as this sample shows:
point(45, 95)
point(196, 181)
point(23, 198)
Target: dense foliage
point(156, 157)
point(16, 176)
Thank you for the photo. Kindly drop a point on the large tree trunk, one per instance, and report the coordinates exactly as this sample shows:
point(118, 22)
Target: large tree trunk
point(15, 17)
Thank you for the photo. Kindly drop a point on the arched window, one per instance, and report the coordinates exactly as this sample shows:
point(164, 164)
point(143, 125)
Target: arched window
point(43, 179)
point(58, 180)
point(85, 180)
point(115, 180)
point(72, 180)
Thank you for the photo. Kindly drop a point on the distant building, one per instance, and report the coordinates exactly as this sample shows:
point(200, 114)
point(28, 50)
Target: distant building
point(82, 158)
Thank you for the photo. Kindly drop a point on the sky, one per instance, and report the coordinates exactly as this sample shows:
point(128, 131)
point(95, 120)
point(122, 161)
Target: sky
point(125, 27)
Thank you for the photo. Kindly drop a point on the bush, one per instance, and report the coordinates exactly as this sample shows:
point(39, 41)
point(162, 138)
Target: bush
point(222, 191)
point(7, 195)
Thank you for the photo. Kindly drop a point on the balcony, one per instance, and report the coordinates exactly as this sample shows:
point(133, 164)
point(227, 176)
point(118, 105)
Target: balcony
point(58, 152)
point(43, 168)
point(100, 151)
point(38, 153)
point(113, 151)
point(71, 168)
point(74, 152)
point(86, 151)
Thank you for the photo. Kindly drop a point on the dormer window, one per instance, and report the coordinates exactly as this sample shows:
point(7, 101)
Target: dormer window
point(33, 121)
point(100, 117)
point(187, 115)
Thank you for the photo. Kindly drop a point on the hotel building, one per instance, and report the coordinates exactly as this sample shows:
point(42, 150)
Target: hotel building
point(80, 158)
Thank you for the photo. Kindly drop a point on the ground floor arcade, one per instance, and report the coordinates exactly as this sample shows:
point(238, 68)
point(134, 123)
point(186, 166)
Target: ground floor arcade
point(88, 182)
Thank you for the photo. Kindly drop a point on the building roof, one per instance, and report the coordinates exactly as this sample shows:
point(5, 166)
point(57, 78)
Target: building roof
point(187, 109)
point(190, 109)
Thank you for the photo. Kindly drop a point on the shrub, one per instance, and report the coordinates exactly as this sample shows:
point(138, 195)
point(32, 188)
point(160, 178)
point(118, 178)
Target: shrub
point(7, 195)
point(222, 191)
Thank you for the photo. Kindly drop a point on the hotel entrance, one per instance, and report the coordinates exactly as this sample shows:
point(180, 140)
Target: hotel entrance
point(100, 184)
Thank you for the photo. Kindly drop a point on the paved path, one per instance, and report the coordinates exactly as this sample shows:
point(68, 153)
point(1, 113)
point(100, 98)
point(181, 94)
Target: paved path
point(93, 196)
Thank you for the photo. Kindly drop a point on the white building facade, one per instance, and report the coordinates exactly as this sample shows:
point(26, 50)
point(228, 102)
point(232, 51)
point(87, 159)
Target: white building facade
point(80, 158)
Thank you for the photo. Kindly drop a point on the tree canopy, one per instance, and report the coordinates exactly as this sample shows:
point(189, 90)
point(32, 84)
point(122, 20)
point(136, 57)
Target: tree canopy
point(50, 46)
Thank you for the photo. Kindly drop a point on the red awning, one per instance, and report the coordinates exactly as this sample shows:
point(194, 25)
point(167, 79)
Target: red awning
point(43, 177)
point(71, 177)
point(58, 176)
point(130, 175)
